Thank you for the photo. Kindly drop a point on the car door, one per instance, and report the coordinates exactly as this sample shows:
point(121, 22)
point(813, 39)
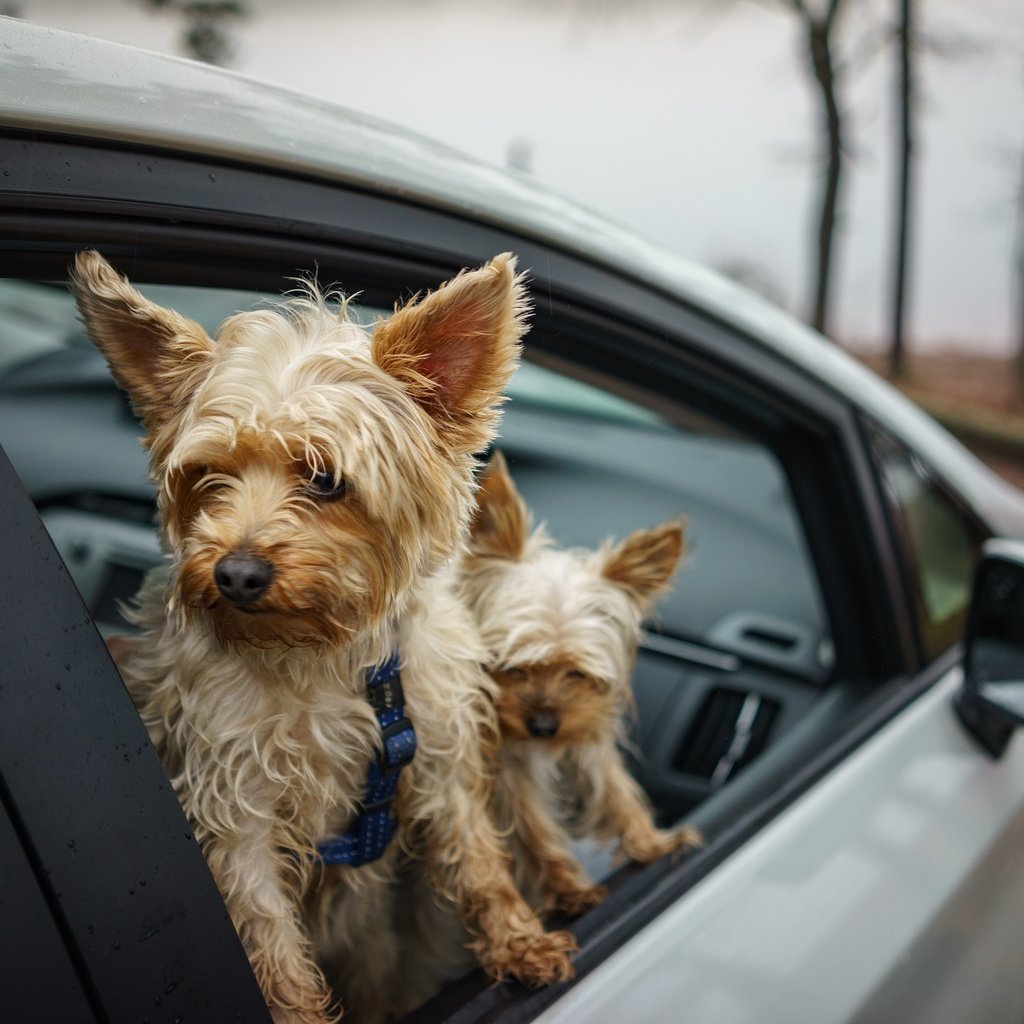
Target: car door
point(863, 868)
point(793, 635)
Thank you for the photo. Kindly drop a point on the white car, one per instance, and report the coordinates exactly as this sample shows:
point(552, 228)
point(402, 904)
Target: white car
point(801, 695)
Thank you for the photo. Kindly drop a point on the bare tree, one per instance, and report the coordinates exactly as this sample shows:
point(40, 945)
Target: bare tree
point(819, 29)
point(905, 40)
point(952, 45)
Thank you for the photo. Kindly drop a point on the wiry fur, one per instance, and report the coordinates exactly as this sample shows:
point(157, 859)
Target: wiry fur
point(258, 708)
point(561, 627)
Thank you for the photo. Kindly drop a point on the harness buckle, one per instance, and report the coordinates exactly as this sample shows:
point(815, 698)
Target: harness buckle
point(398, 746)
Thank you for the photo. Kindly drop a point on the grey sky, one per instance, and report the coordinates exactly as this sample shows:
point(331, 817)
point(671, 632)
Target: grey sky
point(690, 121)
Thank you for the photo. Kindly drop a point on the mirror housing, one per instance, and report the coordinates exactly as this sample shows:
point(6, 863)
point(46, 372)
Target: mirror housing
point(990, 704)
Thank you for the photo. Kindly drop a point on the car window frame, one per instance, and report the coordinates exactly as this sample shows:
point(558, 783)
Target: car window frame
point(165, 224)
point(386, 240)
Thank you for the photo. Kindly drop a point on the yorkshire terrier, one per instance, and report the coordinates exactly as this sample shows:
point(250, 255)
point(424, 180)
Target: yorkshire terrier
point(315, 482)
point(561, 627)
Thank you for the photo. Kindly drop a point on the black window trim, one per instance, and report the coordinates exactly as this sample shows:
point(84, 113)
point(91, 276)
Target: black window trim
point(150, 893)
point(144, 205)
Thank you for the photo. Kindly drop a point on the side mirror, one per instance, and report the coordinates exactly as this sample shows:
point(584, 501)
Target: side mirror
point(990, 703)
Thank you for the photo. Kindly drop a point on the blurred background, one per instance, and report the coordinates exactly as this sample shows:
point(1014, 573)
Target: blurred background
point(859, 162)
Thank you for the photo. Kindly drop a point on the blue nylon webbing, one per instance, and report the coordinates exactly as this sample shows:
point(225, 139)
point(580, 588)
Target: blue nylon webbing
point(373, 827)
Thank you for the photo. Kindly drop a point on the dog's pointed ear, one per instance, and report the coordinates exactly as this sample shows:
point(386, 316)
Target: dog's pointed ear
point(455, 349)
point(157, 355)
point(502, 522)
point(644, 562)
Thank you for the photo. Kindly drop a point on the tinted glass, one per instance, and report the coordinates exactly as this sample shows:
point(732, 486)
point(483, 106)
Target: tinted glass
point(940, 541)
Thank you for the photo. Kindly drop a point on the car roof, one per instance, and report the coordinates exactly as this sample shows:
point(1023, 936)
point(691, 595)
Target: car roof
point(72, 84)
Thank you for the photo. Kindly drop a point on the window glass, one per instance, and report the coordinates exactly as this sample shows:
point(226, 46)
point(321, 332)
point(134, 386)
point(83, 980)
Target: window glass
point(940, 541)
point(592, 465)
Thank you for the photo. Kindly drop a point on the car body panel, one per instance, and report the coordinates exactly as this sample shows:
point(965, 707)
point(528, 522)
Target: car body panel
point(67, 84)
point(891, 891)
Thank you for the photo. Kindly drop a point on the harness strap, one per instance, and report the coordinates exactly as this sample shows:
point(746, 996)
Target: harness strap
point(373, 827)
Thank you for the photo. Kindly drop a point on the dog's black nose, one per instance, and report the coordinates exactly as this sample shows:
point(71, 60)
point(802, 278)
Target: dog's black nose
point(542, 724)
point(242, 577)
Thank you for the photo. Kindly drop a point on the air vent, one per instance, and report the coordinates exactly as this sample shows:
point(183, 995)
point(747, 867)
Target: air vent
point(730, 730)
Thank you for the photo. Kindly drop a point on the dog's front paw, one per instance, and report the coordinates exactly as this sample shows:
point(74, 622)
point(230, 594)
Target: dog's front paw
point(575, 900)
point(687, 838)
point(646, 846)
point(534, 960)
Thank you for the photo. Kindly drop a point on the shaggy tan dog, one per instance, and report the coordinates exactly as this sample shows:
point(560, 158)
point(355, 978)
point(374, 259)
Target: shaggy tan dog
point(561, 628)
point(315, 482)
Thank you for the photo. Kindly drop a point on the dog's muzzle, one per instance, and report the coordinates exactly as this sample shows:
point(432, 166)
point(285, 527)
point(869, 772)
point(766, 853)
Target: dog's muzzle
point(542, 724)
point(242, 578)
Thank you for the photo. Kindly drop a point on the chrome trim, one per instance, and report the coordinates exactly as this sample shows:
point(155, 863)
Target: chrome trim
point(742, 732)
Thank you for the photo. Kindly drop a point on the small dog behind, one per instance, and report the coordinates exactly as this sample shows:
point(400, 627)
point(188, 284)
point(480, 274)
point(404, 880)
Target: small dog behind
point(561, 628)
point(314, 484)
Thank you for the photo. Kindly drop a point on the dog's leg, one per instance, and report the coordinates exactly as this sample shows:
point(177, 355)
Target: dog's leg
point(448, 809)
point(508, 938)
point(620, 810)
point(468, 862)
point(544, 858)
point(445, 799)
point(251, 874)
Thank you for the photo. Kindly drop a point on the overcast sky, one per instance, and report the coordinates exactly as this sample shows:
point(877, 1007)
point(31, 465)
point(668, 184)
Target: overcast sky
point(690, 120)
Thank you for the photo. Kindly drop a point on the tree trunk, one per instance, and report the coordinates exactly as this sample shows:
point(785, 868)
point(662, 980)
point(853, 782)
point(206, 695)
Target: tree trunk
point(823, 67)
point(906, 99)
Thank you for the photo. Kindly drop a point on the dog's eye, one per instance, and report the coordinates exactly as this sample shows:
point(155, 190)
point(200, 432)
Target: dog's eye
point(516, 675)
point(207, 479)
point(326, 486)
point(576, 675)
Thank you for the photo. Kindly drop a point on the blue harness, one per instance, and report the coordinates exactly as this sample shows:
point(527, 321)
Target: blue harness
point(369, 833)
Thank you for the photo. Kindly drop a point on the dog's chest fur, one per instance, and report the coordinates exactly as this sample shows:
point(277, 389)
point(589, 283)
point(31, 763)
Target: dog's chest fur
point(287, 737)
point(315, 754)
point(292, 733)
